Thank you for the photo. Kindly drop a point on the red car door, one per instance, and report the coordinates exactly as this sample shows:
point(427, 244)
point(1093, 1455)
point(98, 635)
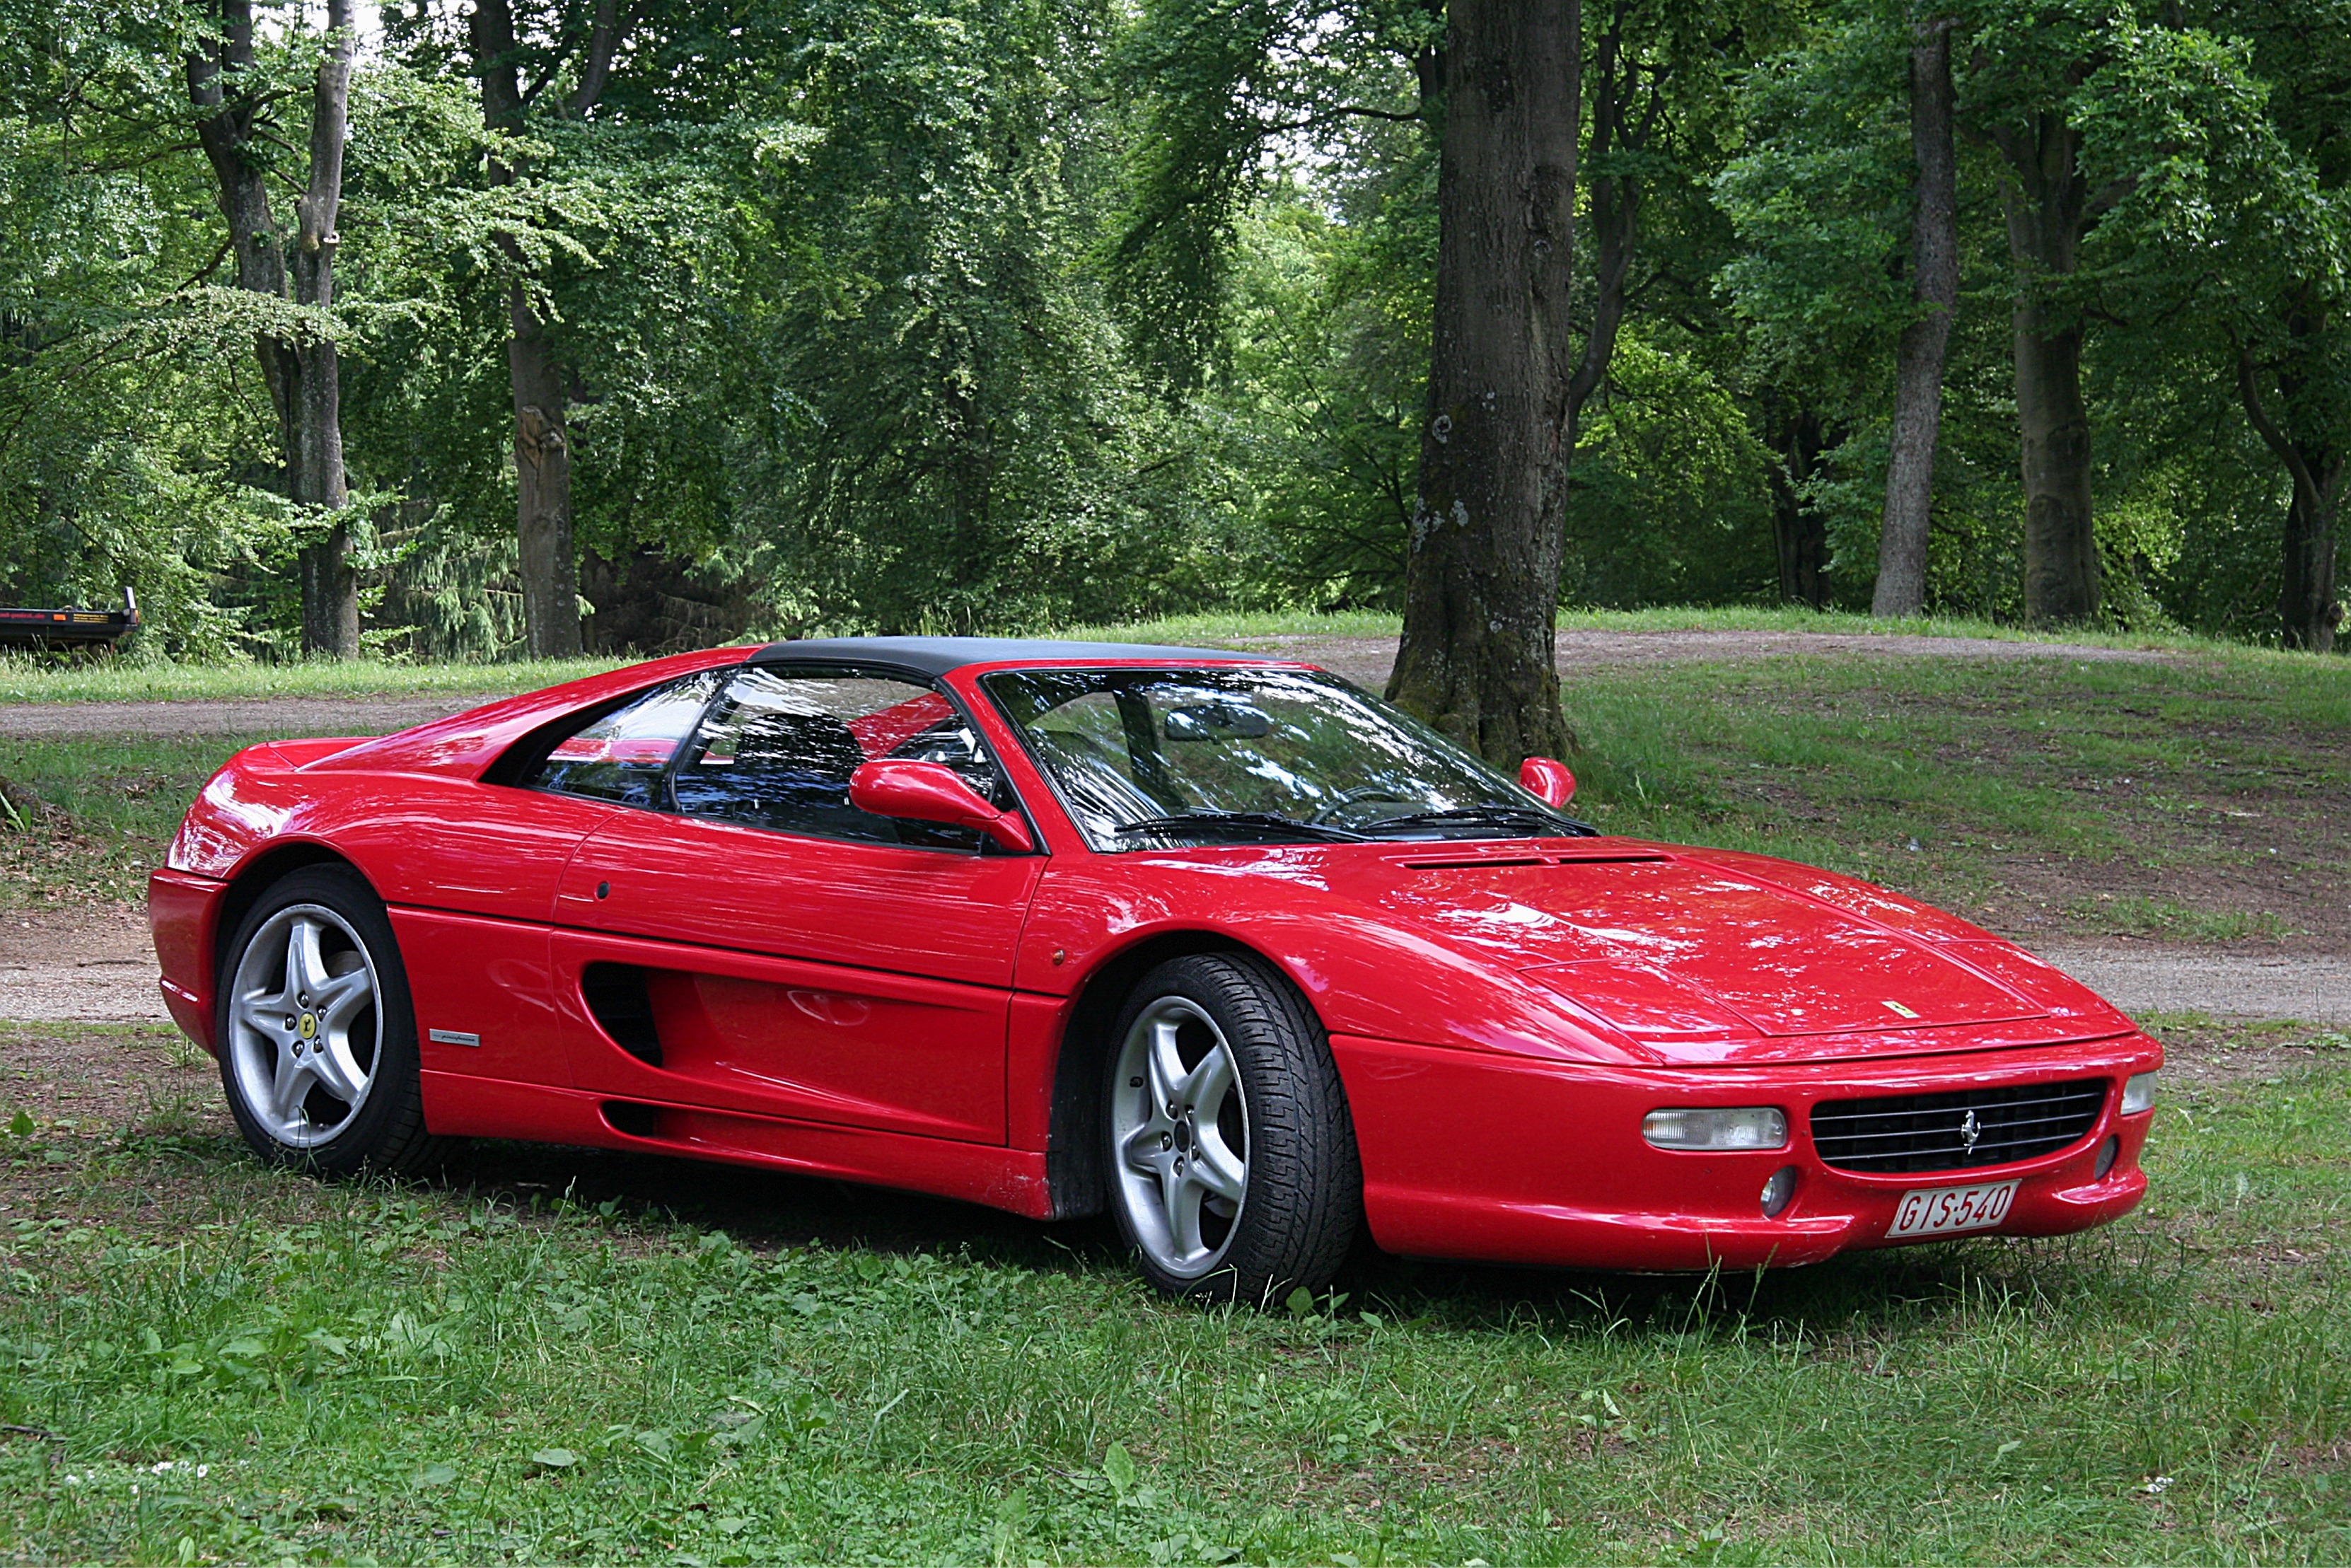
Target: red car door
point(470, 873)
point(753, 942)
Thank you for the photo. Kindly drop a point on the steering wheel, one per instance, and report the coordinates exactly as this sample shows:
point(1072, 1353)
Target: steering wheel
point(1355, 797)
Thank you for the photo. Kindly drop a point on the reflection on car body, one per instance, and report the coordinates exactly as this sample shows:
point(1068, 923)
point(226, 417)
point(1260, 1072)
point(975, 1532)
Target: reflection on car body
point(1219, 943)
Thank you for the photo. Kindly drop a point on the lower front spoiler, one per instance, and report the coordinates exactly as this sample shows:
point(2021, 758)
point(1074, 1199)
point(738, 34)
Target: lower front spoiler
point(1560, 1236)
point(1522, 1160)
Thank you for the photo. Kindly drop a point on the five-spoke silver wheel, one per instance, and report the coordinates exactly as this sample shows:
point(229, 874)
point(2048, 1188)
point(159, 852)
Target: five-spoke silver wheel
point(303, 1021)
point(1179, 1124)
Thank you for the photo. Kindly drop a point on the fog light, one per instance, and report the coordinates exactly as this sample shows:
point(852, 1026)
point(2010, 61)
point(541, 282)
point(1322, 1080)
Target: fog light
point(1778, 1191)
point(2139, 1093)
point(2107, 1152)
point(1750, 1127)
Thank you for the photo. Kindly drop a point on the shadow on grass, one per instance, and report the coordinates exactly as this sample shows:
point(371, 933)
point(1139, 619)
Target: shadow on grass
point(1859, 1294)
point(769, 1210)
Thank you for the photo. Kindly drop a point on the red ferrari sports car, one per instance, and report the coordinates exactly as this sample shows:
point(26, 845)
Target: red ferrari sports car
point(1220, 943)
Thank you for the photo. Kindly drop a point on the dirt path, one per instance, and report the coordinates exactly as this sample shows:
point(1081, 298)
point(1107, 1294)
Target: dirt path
point(280, 717)
point(2224, 982)
point(96, 966)
point(1366, 660)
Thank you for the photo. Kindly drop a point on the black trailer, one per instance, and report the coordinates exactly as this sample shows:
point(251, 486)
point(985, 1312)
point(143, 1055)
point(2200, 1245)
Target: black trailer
point(22, 628)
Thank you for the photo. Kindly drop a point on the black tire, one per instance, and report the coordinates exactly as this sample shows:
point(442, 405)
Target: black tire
point(385, 1133)
point(1301, 1202)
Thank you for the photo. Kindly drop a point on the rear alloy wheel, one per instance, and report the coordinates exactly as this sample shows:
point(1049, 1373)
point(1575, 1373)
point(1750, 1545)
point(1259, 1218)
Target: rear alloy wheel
point(318, 1044)
point(1231, 1158)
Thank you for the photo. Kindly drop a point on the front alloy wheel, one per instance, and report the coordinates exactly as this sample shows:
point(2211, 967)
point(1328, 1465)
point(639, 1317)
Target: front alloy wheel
point(303, 1025)
point(1231, 1159)
point(1180, 1124)
point(317, 1042)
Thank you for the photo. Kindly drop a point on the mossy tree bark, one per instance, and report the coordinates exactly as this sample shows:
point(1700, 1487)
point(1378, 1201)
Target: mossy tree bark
point(1482, 562)
point(548, 564)
point(1918, 360)
point(303, 371)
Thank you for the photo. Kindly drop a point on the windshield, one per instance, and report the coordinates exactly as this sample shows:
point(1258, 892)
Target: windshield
point(1146, 758)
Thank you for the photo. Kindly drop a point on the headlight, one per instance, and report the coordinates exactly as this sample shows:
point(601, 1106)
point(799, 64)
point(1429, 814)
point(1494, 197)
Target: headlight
point(2139, 1093)
point(1748, 1127)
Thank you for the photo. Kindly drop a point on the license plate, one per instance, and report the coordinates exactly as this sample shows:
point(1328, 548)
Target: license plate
point(1940, 1212)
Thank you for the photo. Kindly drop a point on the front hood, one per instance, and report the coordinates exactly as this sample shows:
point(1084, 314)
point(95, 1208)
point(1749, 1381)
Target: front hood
point(1700, 957)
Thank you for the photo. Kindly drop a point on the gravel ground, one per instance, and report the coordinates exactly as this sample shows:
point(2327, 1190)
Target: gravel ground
point(2223, 982)
point(279, 717)
point(97, 966)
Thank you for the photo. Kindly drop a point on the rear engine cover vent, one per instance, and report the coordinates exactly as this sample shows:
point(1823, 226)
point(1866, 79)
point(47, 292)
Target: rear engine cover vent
point(616, 998)
point(1955, 1131)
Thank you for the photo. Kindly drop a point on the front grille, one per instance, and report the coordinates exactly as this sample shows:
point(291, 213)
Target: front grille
point(1930, 1132)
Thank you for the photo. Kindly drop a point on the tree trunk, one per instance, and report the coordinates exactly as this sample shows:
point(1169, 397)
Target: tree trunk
point(1614, 211)
point(302, 377)
point(1481, 576)
point(221, 87)
point(1919, 362)
point(549, 565)
point(550, 572)
point(2308, 612)
point(1798, 529)
point(2061, 552)
point(330, 594)
point(2046, 210)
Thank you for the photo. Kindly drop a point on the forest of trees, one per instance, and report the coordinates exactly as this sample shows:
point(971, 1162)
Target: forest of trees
point(473, 326)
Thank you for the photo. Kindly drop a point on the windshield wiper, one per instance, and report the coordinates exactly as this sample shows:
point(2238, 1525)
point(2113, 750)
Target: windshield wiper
point(1496, 813)
point(1250, 822)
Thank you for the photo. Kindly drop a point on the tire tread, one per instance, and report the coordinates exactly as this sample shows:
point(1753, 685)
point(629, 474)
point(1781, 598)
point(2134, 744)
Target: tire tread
point(397, 1143)
point(1304, 1205)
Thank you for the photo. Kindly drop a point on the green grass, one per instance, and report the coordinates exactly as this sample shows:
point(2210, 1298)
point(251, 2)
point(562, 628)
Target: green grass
point(1214, 629)
point(2016, 791)
point(2168, 918)
point(1219, 628)
point(27, 678)
point(2028, 788)
point(679, 1364)
point(90, 820)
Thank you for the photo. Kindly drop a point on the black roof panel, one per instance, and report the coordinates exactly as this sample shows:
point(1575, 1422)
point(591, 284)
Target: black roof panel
point(937, 655)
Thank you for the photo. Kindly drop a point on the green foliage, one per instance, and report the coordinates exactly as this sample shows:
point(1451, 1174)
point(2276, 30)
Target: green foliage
point(963, 316)
point(1670, 505)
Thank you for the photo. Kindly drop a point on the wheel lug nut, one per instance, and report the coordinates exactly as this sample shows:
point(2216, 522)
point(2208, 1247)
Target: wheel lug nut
point(1166, 1140)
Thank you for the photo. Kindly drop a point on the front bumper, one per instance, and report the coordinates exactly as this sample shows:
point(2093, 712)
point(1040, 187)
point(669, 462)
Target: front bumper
point(183, 911)
point(1518, 1159)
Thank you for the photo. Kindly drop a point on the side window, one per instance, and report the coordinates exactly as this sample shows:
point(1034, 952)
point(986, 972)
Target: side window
point(777, 750)
point(1102, 750)
point(623, 756)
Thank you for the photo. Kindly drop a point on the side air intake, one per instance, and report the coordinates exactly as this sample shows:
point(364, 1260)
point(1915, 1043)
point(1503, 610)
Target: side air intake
point(617, 1000)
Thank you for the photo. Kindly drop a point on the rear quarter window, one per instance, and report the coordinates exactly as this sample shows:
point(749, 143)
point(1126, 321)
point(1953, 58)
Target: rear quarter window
point(623, 756)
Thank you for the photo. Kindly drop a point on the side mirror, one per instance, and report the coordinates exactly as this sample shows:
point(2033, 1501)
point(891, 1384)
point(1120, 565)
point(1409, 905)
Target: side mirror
point(1549, 782)
point(926, 793)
